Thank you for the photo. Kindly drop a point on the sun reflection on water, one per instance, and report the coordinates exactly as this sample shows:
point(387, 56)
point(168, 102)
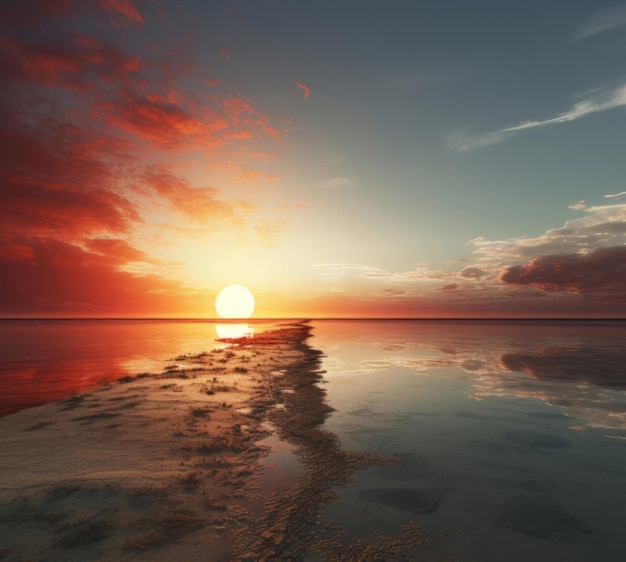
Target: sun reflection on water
point(233, 331)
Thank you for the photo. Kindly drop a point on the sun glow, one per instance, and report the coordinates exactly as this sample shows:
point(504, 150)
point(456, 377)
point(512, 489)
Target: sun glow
point(234, 301)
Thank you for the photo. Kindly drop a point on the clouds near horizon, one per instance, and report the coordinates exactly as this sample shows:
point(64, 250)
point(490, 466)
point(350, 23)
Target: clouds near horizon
point(581, 264)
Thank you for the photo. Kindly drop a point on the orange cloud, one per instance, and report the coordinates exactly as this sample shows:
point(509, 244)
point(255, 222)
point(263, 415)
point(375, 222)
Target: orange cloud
point(307, 90)
point(198, 204)
point(266, 156)
point(254, 176)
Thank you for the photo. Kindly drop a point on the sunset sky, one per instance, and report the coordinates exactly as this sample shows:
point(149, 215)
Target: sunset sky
point(349, 158)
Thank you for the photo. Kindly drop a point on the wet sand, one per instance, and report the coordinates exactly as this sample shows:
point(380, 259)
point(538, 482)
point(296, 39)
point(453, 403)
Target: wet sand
point(169, 465)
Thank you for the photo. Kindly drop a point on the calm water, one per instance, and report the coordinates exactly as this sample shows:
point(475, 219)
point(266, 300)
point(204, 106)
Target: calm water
point(47, 360)
point(513, 434)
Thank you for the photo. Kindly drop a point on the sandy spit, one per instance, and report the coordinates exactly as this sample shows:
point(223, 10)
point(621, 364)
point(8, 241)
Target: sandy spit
point(167, 466)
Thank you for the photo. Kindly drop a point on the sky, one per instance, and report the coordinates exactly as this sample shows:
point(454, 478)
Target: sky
point(439, 158)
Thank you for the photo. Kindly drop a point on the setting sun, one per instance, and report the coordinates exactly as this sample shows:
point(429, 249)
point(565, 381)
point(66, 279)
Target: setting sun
point(234, 301)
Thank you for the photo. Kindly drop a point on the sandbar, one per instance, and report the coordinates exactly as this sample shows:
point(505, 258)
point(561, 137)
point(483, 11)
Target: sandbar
point(169, 466)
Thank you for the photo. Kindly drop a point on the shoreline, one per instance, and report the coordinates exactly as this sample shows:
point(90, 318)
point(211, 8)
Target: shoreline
point(169, 465)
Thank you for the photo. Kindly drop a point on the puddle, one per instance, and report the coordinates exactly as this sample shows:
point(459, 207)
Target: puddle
point(281, 468)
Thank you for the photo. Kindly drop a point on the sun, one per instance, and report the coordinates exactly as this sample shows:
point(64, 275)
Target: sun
point(234, 301)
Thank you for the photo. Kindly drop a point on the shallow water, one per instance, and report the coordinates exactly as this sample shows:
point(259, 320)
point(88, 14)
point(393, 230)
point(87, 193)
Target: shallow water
point(46, 360)
point(512, 434)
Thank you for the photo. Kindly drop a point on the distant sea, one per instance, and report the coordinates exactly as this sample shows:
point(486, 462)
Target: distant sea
point(512, 434)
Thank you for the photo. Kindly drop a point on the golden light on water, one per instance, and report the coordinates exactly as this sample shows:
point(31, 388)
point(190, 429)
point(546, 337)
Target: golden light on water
point(233, 331)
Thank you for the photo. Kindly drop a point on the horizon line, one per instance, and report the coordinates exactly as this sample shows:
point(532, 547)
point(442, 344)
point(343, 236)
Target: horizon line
point(313, 318)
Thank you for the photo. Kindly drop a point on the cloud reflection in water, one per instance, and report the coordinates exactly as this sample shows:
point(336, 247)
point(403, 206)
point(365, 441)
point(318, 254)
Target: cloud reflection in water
point(578, 367)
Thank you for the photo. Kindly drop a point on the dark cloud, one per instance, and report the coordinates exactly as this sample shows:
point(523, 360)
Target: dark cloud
point(396, 292)
point(602, 271)
point(573, 364)
point(472, 272)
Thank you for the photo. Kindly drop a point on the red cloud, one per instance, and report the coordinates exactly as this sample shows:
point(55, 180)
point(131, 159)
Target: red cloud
point(74, 176)
point(174, 122)
point(602, 271)
point(77, 63)
point(124, 8)
point(198, 204)
point(57, 180)
point(63, 278)
point(307, 90)
point(164, 122)
point(118, 250)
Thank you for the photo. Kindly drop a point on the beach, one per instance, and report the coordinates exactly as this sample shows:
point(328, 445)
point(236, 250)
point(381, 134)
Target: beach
point(174, 465)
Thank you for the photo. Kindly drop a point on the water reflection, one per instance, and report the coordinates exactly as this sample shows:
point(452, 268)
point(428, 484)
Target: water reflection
point(590, 365)
point(482, 416)
point(233, 331)
point(578, 367)
point(46, 360)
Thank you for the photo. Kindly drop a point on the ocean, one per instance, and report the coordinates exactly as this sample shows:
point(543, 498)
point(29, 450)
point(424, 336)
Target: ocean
point(512, 434)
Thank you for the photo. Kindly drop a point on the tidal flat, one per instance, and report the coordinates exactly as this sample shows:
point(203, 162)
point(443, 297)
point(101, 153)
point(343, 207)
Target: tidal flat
point(321, 440)
point(174, 465)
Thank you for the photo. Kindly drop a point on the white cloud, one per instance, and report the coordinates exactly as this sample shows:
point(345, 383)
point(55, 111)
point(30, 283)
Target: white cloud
point(580, 206)
point(601, 229)
point(616, 98)
point(610, 196)
point(465, 140)
point(602, 226)
point(603, 21)
point(334, 271)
